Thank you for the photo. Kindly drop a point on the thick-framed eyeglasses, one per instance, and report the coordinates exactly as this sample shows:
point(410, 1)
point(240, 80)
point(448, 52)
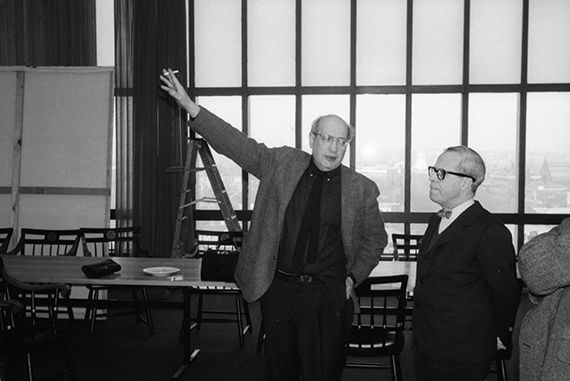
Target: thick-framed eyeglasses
point(328, 139)
point(440, 173)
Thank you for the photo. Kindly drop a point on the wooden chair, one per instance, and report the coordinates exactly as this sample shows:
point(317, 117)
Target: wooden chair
point(378, 330)
point(48, 242)
point(5, 236)
point(25, 333)
point(406, 246)
point(114, 242)
point(225, 241)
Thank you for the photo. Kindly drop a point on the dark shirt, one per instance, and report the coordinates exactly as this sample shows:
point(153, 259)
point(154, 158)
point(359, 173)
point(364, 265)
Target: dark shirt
point(331, 260)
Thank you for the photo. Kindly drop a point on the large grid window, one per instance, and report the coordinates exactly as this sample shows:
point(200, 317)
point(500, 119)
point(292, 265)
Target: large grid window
point(413, 77)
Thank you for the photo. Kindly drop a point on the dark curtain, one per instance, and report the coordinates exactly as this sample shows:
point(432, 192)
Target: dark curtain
point(47, 33)
point(151, 36)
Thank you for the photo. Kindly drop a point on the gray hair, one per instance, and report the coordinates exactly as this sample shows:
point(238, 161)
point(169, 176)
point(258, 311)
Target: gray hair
point(471, 164)
point(350, 129)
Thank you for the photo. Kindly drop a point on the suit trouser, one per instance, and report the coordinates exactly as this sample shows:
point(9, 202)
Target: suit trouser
point(306, 326)
point(435, 370)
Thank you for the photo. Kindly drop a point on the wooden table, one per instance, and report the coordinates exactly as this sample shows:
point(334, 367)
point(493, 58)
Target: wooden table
point(59, 269)
point(386, 268)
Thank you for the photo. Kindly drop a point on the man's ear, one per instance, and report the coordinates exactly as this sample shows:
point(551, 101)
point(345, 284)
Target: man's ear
point(311, 140)
point(467, 183)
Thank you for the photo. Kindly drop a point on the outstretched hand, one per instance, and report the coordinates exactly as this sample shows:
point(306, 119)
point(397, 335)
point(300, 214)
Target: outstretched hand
point(173, 87)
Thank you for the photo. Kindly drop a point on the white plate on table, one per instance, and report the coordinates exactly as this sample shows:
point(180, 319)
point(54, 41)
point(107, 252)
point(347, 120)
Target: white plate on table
point(161, 271)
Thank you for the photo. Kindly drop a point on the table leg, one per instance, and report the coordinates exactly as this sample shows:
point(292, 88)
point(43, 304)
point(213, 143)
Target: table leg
point(188, 354)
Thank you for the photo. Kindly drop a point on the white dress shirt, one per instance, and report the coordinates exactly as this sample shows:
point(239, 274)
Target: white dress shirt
point(455, 212)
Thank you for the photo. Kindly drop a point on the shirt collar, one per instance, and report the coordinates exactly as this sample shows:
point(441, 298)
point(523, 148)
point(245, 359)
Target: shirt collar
point(455, 212)
point(313, 170)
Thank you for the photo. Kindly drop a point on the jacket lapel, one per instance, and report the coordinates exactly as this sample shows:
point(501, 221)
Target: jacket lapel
point(348, 209)
point(455, 230)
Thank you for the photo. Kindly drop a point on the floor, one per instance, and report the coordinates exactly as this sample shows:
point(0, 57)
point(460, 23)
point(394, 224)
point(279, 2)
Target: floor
point(123, 350)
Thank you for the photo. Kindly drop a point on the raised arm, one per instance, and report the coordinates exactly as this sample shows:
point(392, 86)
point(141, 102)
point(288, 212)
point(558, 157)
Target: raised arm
point(173, 87)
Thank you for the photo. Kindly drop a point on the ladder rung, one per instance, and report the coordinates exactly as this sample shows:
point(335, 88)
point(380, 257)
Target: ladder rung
point(181, 169)
point(187, 205)
point(212, 200)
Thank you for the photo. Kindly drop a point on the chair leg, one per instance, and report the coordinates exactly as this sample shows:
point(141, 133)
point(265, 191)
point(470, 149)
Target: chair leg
point(89, 309)
point(396, 369)
point(239, 321)
point(199, 311)
point(137, 312)
point(30, 369)
point(247, 315)
point(260, 338)
point(93, 315)
point(148, 315)
point(501, 370)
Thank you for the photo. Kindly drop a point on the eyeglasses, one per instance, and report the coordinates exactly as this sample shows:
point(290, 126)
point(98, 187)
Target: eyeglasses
point(440, 173)
point(328, 139)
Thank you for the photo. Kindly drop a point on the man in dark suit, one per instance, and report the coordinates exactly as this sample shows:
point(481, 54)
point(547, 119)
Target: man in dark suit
point(466, 292)
point(304, 281)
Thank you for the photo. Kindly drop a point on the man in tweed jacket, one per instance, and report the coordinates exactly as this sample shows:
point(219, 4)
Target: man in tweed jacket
point(306, 305)
point(544, 340)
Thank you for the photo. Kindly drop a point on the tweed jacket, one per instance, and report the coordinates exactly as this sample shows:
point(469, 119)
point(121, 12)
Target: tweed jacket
point(466, 291)
point(279, 171)
point(544, 339)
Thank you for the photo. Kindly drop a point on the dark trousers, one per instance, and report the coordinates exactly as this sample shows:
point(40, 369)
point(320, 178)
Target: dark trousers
point(306, 326)
point(435, 370)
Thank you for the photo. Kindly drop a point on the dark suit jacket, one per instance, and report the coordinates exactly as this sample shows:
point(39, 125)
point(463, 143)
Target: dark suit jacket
point(279, 171)
point(466, 290)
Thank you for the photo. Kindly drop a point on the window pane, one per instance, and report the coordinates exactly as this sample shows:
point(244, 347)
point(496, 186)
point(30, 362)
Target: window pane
point(531, 231)
point(229, 109)
point(548, 40)
point(218, 43)
point(317, 105)
point(436, 125)
point(381, 42)
point(326, 42)
point(548, 153)
point(496, 29)
point(380, 134)
point(493, 121)
point(272, 122)
point(438, 42)
point(271, 42)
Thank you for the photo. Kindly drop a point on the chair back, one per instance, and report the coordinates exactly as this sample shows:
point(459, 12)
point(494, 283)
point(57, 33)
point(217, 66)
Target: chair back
point(48, 242)
point(406, 246)
point(5, 236)
point(113, 242)
point(25, 328)
point(50, 294)
point(378, 329)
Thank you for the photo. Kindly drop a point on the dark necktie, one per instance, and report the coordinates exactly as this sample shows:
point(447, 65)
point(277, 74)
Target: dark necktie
point(444, 213)
point(310, 224)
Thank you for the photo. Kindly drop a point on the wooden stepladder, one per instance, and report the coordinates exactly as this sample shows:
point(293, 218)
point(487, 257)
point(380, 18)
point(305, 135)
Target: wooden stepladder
point(188, 194)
